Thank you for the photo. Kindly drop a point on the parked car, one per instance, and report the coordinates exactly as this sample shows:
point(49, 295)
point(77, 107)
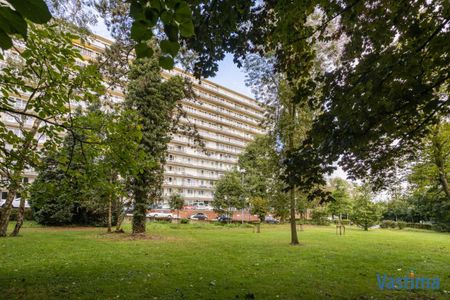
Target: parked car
point(199, 216)
point(224, 219)
point(271, 220)
point(160, 215)
point(16, 203)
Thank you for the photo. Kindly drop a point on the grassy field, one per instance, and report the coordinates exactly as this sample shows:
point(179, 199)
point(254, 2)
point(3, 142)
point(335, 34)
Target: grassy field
point(215, 262)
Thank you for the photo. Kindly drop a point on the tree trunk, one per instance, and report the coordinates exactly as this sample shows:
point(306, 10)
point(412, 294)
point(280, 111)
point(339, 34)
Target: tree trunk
point(109, 214)
point(294, 237)
point(440, 162)
point(6, 212)
point(140, 209)
point(20, 217)
point(16, 183)
point(120, 217)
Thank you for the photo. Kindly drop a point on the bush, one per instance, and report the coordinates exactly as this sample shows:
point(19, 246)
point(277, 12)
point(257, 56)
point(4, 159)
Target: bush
point(320, 216)
point(388, 224)
point(401, 224)
point(184, 221)
point(420, 226)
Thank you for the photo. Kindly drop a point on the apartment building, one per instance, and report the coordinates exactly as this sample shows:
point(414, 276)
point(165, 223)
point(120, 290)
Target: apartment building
point(226, 121)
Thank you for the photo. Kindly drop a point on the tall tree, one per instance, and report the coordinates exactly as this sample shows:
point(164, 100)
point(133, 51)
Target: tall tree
point(49, 82)
point(155, 102)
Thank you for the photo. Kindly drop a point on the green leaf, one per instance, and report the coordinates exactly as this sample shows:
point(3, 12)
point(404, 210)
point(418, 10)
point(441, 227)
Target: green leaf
point(140, 31)
point(34, 10)
point(183, 13)
point(170, 47)
point(166, 62)
point(171, 32)
point(136, 10)
point(156, 4)
point(143, 50)
point(5, 41)
point(12, 22)
point(187, 29)
point(166, 17)
point(151, 16)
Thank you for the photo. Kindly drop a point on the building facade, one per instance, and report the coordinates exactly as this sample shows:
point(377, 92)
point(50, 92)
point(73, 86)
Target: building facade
point(226, 122)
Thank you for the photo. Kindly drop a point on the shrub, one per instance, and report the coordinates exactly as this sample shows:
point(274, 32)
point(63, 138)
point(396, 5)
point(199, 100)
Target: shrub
point(420, 226)
point(388, 224)
point(28, 215)
point(184, 221)
point(320, 216)
point(401, 224)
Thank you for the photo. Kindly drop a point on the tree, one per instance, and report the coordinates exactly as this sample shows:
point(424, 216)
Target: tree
point(259, 206)
point(428, 178)
point(155, 102)
point(365, 212)
point(342, 201)
point(176, 202)
point(378, 109)
point(229, 193)
point(46, 110)
point(85, 178)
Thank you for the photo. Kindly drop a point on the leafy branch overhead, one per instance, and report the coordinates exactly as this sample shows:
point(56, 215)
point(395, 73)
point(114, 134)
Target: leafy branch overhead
point(14, 16)
point(176, 18)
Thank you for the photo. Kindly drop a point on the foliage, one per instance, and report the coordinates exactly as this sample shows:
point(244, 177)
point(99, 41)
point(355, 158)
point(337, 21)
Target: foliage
point(320, 215)
point(401, 224)
point(184, 221)
point(378, 109)
point(229, 193)
point(49, 95)
point(81, 179)
point(13, 19)
point(342, 201)
point(365, 212)
point(155, 102)
point(259, 206)
point(176, 201)
point(427, 198)
point(388, 224)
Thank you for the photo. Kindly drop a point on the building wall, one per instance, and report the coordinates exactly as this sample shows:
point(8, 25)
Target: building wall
point(226, 121)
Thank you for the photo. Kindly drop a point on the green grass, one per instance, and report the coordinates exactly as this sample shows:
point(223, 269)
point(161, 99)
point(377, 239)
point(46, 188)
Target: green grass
point(215, 262)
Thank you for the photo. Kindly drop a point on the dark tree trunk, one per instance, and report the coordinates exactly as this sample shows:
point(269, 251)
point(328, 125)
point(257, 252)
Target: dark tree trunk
point(6, 212)
point(140, 209)
point(294, 237)
point(20, 217)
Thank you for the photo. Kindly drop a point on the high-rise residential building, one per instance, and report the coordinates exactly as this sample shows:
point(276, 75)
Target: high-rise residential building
point(225, 120)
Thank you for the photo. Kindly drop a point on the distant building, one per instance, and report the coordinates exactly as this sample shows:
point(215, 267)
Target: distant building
point(226, 121)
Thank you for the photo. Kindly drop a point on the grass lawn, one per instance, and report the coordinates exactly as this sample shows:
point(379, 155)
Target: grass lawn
point(214, 262)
